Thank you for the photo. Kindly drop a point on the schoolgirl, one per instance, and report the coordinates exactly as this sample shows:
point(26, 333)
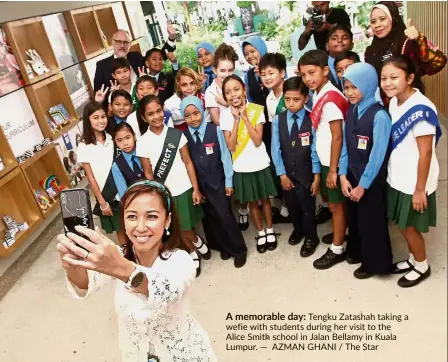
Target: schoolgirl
point(363, 173)
point(205, 52)
point(213, 165)
point(242, 124)
point(127, 167)
point(96, 153)
point(188, 83)
point(413, 169)
point(223, 66)
point(164, 156)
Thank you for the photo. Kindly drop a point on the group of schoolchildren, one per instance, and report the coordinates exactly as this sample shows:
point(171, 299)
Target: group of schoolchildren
point(324, 131)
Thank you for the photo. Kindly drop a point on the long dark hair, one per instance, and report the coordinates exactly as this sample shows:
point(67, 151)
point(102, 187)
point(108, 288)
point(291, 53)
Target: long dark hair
point(169, 242)
point(229, 78)
point(88, 136)
point(142, 124)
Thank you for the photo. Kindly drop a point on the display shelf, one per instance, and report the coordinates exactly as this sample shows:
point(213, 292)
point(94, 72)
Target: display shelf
point(38, 155)
point(48, 93)
point(135, 46)
point(45, 164)
point(30, 34)
point(83, 27)
point(18, 202)
point(6, 154)
point(106, 22)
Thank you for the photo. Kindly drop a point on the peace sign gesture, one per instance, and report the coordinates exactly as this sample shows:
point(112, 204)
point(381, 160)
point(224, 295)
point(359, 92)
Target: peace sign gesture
point(411, 31)
point(141, 71)
point(100, 95)
point(114, 86)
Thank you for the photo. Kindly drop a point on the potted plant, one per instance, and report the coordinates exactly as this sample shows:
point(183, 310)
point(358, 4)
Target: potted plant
point(246, 14)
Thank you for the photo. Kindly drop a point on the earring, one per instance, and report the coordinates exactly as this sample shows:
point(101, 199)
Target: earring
point(167, 232)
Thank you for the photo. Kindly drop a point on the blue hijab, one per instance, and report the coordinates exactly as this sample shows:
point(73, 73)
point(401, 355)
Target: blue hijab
point(191, 100)
point(210, 48)
point(257, 43)
point(364, 77)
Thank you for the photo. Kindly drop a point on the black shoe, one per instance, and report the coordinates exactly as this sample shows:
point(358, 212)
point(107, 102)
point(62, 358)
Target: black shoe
point(197, 259)
point(406, 283)
point(273, 244)
point(352, 260)
point(261, 248)
point(396, 270)
point(323, 214)
point(243, 222)
point(328, 239)
point(203, 249)
point(278, 218)
point(360, 273)
point(225, 256)
point(240, 260)
point(309, 247)
point(295, 237)
point(329, 259)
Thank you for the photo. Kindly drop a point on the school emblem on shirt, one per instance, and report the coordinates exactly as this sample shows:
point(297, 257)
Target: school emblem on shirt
point(362, 142)
point(304, 138)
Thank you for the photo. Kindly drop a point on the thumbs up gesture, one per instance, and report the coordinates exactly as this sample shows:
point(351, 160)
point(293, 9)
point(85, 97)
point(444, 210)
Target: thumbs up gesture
point(411, 31)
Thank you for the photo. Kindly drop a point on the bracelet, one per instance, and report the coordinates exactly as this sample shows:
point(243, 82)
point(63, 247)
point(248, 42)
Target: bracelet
point(105, 207)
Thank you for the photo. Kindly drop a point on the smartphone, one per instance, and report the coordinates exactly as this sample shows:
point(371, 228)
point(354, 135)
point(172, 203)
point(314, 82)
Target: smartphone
point(76, 210)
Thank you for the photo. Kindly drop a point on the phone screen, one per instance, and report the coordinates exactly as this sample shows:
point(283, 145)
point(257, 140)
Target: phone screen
point(76, 210)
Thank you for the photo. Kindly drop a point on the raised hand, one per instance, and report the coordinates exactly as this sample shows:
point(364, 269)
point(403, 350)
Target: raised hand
point(114, 86)
point(171, 56)
point(171, 31)
point(411, 31)
point(141, 71)
point(100, 95)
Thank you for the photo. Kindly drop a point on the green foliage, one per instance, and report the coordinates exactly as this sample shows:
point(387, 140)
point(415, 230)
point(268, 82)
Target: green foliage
point(217, 26)
point(244, 4)
point(269, 29)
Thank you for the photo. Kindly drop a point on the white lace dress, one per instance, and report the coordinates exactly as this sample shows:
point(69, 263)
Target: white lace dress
point(162, 321)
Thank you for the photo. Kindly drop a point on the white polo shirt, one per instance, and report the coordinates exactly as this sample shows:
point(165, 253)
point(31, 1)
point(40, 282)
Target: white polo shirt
point(330, 112)
point(99, 156)
point(271, 103)
point(150, 146)
point(403, 162)
point(252, 158)
point(211, 92)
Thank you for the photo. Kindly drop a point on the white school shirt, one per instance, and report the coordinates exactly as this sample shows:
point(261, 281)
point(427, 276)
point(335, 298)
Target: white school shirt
point(162, 319)
point(150, 146)
point(132, 121)
point(211, 92)
point(271, 104)
point(403, 162)
point(252, 159)
point(330, 112)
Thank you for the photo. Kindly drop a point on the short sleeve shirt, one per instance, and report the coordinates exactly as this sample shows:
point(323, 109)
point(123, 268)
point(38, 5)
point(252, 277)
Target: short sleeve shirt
point(210, 97)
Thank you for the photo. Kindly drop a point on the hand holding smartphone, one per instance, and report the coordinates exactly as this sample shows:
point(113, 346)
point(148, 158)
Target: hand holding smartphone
point(76, 210)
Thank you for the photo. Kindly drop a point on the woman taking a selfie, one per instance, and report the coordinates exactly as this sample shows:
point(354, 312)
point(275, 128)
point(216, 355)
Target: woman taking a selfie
point(152, 274)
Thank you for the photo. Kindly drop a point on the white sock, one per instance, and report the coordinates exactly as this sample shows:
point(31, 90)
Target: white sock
point(337, 249)
point(284, 211)
point(243, 211)
point(201, 248)
point(404, 265)
point(270, 238)
point(324, 204)
point(261, 241)
point(421, 266)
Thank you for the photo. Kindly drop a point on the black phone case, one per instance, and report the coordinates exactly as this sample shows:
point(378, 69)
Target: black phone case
point(76, 210)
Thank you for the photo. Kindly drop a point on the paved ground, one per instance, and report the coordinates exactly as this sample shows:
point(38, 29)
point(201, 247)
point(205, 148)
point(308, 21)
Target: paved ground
point(40, 322)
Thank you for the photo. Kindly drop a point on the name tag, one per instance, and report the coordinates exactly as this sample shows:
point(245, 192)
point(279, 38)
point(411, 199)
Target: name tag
point(305, 138)
point(209, 148)
point(362, 142)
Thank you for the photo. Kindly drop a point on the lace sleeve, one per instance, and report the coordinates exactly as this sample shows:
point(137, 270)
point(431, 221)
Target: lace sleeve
point(167, 284)
point(96, 281)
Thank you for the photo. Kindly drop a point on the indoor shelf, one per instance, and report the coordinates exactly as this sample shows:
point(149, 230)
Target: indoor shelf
point(83, 27)
point(18, 202)
point(48, 93)
point(30, 34)
point(6, 154)
point(106, 22)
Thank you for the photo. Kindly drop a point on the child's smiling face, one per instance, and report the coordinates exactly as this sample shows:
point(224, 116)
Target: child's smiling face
point(121, 107)
point(205, 58)
point(272, 77)
point(339, 42)
point(342, 65)
point(154, 115)
point(353, 94)
point(146, 89)
point(187, 86)
point(314, 76)
point(193, 116)
point(234, 93)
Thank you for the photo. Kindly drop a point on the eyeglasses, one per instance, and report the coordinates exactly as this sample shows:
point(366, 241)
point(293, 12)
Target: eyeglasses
point(121, 42)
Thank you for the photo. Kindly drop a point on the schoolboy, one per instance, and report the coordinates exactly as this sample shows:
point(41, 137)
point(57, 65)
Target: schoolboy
point(121, 73)
point(154, 63)
point(296, 162)
point(340, 40)
point(343, 61)
point(327, 116)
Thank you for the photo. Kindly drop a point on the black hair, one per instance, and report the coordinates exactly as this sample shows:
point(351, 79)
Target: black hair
point(227, 79)
point(71, 156)
point(120, 63)
point(347, 55)
point(406, 65)
point(274, 60)
point(121, 126)
point(142, 124)
point(314, 57)
point(295, 84)
point(146, 78)
point(120, 93)
point(155, 50)
point(224, 52)
point(88, 137)
point(344, 28)
point(67, 167)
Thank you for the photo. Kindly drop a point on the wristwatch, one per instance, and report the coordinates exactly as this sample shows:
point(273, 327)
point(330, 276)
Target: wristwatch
point(135, 279)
